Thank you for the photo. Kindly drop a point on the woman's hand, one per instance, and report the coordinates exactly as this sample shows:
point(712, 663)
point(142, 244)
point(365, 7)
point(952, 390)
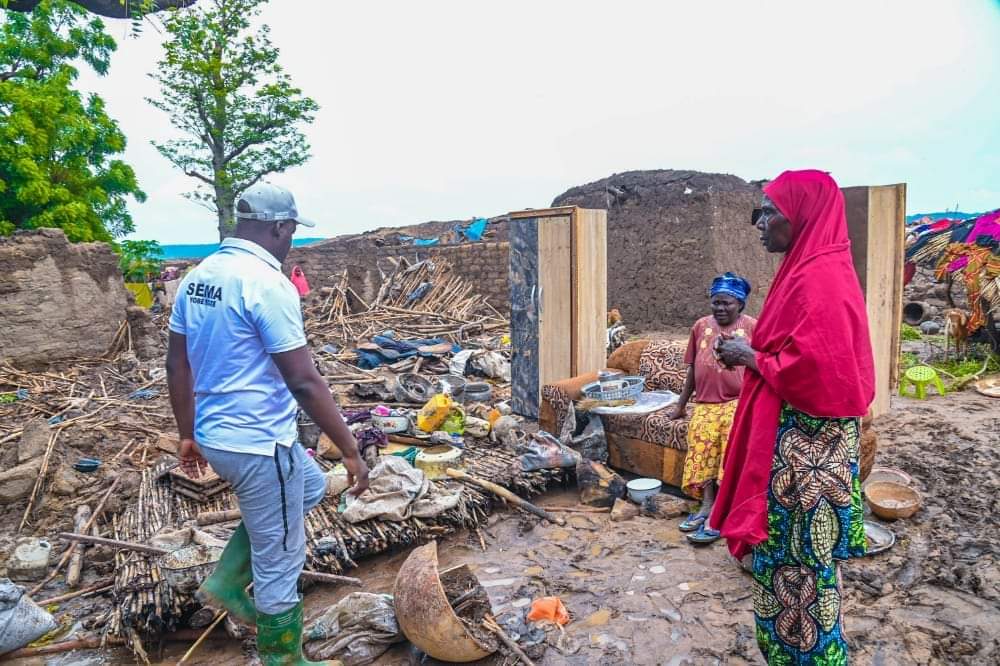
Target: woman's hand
point(678, 413)
point(734, 352)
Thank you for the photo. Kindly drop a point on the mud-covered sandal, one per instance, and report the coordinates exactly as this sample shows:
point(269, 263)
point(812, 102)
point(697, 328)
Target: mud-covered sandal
point(693, 522)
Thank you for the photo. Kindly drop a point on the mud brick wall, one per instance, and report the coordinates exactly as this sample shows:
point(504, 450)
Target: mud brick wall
point(58, 300)
point(484, 264)
point(669, 234)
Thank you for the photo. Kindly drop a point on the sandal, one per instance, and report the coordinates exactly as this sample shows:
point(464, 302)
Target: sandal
point(704, 536)
point(693, 522)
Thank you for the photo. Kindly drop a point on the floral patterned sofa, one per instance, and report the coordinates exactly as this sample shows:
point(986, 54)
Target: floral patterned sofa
point(649, 445)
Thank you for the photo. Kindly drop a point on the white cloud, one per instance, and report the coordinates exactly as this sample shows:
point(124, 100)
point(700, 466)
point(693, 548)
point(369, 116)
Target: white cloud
point(451, 109)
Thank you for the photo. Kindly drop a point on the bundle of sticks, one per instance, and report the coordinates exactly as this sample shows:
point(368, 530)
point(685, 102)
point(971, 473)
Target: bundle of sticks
point(420, 300)
point(146, 607)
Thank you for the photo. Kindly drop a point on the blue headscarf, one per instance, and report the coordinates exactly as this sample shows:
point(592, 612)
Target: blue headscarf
point(731, 284)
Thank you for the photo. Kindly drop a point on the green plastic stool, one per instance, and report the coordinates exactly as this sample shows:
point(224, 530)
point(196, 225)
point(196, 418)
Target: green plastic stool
point(920, 376)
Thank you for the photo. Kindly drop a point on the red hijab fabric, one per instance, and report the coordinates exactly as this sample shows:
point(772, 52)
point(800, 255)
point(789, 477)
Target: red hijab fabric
point(813, 350)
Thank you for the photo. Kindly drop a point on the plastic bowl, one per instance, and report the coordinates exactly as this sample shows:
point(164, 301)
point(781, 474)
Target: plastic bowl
point(891, 501)
point(640, 489)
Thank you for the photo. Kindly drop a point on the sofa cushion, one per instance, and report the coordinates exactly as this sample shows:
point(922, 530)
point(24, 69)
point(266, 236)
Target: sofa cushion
point(662, 364)
point(656, 428)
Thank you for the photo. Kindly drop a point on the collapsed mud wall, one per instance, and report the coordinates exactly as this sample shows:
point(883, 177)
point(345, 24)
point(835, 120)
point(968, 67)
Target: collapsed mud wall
point(669, 233)
point(483, 264)
point(58, 300)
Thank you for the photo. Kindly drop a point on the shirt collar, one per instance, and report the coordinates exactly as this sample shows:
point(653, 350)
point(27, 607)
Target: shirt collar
point(252, 248)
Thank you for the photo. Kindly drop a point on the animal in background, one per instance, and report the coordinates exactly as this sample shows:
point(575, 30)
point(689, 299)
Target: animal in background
point(955, 329)
point(614, 317)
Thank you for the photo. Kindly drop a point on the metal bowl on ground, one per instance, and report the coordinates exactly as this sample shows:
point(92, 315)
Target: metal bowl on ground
point(477, 392)
point(453, 385)
point(879, 538)
point(640, 489)
point(424, 611)
point(185, 568)
point(888, 474)
point(990, 387)
point(413, 388)
point(891, 501)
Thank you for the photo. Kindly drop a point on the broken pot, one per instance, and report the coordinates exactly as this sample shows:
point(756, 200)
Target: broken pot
point(424, 611)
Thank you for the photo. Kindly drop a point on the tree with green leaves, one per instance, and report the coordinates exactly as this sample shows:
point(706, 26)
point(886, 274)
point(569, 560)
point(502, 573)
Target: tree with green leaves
point(139, 260)
point(109, 8)
point(57, 148)
point(222, 86)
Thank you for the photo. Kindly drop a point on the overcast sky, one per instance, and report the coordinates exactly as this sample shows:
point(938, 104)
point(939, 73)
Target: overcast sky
point(449, 110)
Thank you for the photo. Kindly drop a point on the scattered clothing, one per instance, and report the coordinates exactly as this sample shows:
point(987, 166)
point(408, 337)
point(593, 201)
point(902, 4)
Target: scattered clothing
point(714, 383)
point(708, 434)
point(815, 517)
point(398, 491)
point(356, 630)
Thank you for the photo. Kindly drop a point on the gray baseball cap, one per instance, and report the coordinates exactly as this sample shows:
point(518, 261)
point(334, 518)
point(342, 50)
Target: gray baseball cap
point(269, 203)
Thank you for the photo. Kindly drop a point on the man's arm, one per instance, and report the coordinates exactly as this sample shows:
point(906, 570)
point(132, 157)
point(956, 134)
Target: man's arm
point(312, 393)
point(180, 384)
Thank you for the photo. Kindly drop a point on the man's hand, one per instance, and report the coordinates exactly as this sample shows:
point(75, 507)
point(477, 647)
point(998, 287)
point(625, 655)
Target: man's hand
point(357, 474)
point(192, 461)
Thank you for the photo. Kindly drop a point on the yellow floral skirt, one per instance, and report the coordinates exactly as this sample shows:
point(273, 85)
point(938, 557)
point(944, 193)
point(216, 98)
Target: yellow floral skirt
point(708, 433)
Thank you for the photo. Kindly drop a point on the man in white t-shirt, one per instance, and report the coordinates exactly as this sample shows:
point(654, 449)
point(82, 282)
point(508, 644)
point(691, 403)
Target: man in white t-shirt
point(238, 368)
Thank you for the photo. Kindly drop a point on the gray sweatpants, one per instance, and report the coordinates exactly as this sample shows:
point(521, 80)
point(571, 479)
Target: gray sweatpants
point(274, 495)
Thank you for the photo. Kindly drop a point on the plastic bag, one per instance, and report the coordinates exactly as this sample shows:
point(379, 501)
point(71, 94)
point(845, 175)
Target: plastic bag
point(543, 451)
point(454, 423)
point(433, 414)
point(21, 620)
point(549, 609)
point(590, 440)
point(357, 630)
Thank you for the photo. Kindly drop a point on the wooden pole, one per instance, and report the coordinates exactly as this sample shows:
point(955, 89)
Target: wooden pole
point(213, 517)
point(503, 493)
point(201, 639)
point(69, 551)
point(76, 549)
point(153, 550)
point(98, 587)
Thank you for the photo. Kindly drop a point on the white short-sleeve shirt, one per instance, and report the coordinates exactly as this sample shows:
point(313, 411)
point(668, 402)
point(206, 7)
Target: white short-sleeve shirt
point(236, 309)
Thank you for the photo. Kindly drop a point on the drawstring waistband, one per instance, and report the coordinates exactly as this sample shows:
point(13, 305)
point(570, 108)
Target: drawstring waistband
point(281, 483)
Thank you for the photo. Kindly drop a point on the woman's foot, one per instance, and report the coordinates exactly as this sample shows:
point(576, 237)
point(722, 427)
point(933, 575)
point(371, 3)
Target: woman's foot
point(704, 536)
point(693, 522)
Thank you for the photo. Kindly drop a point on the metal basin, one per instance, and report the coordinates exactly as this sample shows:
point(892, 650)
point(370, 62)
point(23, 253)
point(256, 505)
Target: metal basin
point(424, 614)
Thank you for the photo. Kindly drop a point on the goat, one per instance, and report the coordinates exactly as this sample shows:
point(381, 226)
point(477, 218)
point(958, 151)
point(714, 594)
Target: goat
point(955, 328)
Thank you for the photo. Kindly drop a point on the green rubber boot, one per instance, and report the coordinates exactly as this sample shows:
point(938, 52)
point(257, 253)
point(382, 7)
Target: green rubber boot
point(279, 639)
point(226, 588)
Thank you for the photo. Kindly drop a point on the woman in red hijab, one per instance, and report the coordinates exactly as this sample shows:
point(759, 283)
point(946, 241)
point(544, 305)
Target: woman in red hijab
point(790, 493)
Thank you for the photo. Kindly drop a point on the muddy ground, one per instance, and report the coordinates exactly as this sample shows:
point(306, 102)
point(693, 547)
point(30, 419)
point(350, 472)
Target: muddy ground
point(639, 594)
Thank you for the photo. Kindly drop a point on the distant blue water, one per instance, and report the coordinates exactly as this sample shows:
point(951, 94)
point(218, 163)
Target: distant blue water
point(954, 215)
point(201, 251)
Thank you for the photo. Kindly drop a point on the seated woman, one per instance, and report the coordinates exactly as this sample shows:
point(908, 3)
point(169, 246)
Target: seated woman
point(715, 390)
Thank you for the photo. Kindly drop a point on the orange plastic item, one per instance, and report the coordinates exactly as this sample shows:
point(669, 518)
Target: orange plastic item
point(549, 608)
point(493, 416)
